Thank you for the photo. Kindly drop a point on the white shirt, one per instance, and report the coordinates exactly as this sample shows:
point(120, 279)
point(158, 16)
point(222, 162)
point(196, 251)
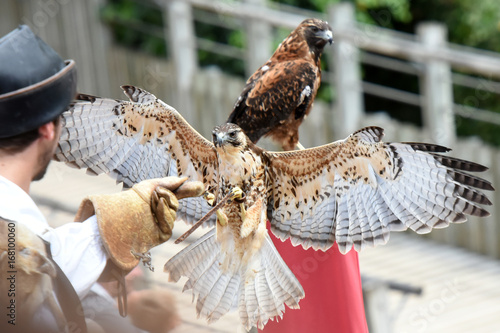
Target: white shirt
point(76, 247)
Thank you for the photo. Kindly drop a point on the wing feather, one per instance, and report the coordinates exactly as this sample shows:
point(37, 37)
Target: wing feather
point(380, 218)
point(135, 140)
point(342, 236)
point(367, 222)
point(359, 189)
point(355, 218)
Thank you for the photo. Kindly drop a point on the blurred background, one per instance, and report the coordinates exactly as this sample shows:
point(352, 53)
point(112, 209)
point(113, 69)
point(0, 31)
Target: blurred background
point(423, 70)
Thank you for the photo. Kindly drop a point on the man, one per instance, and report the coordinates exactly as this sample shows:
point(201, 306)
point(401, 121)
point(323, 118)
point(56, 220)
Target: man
point(36, 86)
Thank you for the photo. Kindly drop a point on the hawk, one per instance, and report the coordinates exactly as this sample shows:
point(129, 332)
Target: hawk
point(352, 192)
point(280, 94)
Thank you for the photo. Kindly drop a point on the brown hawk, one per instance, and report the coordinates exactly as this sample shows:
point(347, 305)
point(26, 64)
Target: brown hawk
point(280, 94)
point(352, 192)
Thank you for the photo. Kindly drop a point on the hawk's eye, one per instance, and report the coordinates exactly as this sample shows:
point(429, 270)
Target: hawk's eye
point(315, 29)
point(232, 134)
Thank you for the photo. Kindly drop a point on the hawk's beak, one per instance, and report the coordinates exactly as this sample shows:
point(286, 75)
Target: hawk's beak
point(324, 36)
point(328, 36)
point(218, 140)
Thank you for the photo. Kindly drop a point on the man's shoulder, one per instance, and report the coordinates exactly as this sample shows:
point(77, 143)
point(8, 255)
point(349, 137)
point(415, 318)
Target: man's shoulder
point(17, 205)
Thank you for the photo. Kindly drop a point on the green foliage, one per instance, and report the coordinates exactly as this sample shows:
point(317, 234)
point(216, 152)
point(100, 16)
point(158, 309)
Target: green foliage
point(473, 23)
point(476, 24)
point(479, 99)
point(222, 36)
point(372, 11)
point(398, 9)
point(135, 25)
point(317, 5)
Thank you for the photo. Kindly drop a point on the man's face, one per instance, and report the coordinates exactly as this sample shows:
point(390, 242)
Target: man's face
point(49, 149)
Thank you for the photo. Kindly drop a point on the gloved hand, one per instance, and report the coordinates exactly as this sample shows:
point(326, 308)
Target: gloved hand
point(163, 195)
point(133, 221)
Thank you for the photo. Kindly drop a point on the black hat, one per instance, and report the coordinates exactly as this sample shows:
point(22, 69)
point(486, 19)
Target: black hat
point(36, 85)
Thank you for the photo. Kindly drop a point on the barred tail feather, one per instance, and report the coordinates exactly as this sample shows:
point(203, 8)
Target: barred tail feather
point(259, 289)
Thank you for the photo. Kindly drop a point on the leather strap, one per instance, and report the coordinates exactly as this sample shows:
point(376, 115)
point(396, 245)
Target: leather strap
point(122, 294)
point(67, 297)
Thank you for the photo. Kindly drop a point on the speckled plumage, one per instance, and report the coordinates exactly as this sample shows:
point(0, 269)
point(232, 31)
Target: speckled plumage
point(280, 94)
point(352, 192)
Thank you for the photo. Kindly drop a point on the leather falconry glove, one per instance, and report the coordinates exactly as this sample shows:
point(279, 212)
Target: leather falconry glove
point(134, 221)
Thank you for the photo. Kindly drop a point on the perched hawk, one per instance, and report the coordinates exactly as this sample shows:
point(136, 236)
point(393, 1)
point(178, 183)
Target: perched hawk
point(352, 192)
point(280, 94)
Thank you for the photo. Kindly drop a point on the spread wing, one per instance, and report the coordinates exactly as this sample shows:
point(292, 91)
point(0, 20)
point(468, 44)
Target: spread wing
point(135, 140)
point(274, 93)
point(355, 191)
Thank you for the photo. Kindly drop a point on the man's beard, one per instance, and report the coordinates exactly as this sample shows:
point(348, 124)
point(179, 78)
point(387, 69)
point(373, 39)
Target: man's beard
point(44, 163)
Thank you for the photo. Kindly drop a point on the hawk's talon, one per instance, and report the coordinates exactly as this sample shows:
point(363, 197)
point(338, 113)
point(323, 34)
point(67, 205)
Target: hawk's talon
point(209, 197)
point(241, 199)
point(237, 194)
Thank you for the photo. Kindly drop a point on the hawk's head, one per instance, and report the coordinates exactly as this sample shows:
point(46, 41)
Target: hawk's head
point(316, 32)
point(229, 137)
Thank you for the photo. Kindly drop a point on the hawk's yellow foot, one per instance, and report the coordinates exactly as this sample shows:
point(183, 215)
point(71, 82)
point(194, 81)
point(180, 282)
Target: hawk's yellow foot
point(243, 212)
point(210, 197)
point(221, 217)
point(250, 218)
point(237, 193)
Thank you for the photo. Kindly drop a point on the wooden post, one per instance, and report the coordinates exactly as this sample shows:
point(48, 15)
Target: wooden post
point(182, 46)
point(436, 86)
point(100, 37)
point(349, 95)
point(258, 36)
